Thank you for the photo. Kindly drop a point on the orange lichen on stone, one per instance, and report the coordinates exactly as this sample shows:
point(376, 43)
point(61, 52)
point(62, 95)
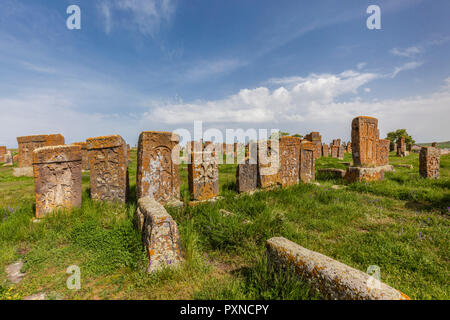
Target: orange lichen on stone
point(203, 174)
point(57, 176)
point(307, 162)
point(333, 279)
point(289, 161)
point(157, 169)
point(84, 154)
point(108, 166)
point(28, 144)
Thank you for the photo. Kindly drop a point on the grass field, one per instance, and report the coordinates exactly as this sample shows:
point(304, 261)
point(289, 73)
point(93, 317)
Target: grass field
point(400, 224)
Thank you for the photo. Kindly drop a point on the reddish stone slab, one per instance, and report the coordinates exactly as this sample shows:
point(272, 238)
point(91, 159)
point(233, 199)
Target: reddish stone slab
point(28, 144)
point(364, 141)
point(429, 162)
point(307, 162)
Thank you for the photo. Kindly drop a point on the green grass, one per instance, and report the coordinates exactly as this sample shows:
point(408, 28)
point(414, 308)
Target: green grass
point(400, 224)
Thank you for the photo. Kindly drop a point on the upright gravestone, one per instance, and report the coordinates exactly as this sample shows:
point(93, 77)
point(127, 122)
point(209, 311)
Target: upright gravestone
point(2, 154)
point(316, 139)
point(57, 178)
point(307, 162)
point(341, 152)
point(401, 147)
point(84, 155)
point(268, 163)
point(247, 172)
point(325, 152)
point(429, 162)
point(203, 173)
point(289, 160)
point(157, 169)
point(28, 144)
point(108, 168)
point(365, 143)
point(383, 152)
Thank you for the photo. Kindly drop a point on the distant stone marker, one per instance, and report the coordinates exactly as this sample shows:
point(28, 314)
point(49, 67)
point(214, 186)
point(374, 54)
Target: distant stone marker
point(429, 162)
point(289, 160)
point(307, 162)
point(383, 152)
point(325, 151)
point(203, 173)
point(108, 168)
point(316, 139)
point(247, 172)
point(341, 152)
point(57, 178)
point(157, 172)
point(84, 155)
point(401, 147)
point(367, 151)
point(364, 141)
point(28, 144)
point(2, 154)
point(268, 163)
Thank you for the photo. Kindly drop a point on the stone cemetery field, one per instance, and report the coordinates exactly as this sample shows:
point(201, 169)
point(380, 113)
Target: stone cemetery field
point(400, 224)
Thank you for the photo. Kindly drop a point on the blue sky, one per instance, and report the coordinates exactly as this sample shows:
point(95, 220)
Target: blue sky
point(298, 66)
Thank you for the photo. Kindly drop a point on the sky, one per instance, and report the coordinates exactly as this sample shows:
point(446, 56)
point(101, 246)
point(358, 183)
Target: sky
point(297, 66)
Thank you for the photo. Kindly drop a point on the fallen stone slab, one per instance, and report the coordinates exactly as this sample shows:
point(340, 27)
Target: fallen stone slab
point(333, 279)
point(23, 172)
point(13, 272)
point(332, 173)
point(408, 166)
point(37, 296)
point(159, 234)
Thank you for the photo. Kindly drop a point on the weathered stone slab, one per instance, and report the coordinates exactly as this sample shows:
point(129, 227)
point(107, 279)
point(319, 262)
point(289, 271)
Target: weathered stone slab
point(331, 173)
point(84, 155)
point(157, 168)
point(2, 154)
point(333, 279)
point(364, 141)
point(57, 178)
point(341, 152)
point(316, 139)
point(429, 162)
point(334, 151)
point(289, 160)
point(401, 147)
point(28, 144)
point(23, 172)
point(355, 174)
point(307, 162)
point(8, 159)
point(268, 163)
point(325, 151)
point(13, 273)
point(108, 168)
point(348, 147)
point(383, 152)
point(203, 173)
point(246, 177)
point(159, 234)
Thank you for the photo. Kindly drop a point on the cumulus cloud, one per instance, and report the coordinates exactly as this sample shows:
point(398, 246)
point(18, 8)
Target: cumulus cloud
point(408, 52)
point(326, 102)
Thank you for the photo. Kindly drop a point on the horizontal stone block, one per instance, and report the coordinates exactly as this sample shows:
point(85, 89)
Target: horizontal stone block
point(332, 172)
point(159, 234)
point(333, 279)
point(355, 174)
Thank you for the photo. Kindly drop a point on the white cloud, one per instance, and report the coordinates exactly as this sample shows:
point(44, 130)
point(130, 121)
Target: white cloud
point(361, 65)
point(407, 66)
point(144, 15)
point(408, 52)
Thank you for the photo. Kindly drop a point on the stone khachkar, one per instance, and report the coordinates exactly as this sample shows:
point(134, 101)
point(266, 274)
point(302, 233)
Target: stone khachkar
point(28, 144)
point(341, 152)
point(334, 151)
point(429, 162)
point(289, 160)
point(159, 234)
point(2, 154)
point(203, 173)
point(325, 151)
point(84, 154)
point(57, 178)
point(8, 159)
point(383, 152)
point(307, 162)
point(316, 139)
point(108, 168)
point(333, 279)
point(247, 172)
point(401, 147)
point(268, 163)
point(365, 147)
point(157, 169)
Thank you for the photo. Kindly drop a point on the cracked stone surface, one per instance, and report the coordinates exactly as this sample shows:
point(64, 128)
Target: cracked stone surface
point(36, 296)
point(13, 272)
